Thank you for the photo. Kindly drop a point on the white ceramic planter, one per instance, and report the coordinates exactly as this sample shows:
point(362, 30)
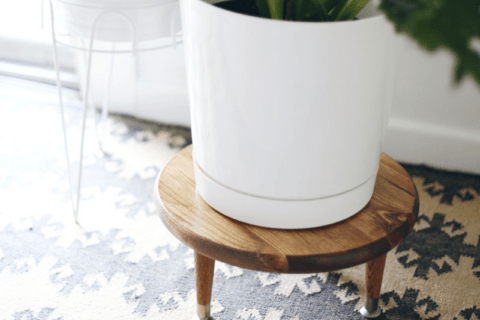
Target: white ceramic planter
point(287, 117)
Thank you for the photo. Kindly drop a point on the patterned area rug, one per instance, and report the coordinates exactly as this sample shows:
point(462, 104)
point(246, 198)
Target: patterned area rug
point(120, 262)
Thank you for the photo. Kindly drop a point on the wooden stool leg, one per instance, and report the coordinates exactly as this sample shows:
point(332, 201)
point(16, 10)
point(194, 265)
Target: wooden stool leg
point(204, 279)
point(373, 278)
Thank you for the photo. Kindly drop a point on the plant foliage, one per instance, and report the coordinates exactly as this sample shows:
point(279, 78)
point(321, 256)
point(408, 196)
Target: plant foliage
point(434, 24)
point(310, 10)
point(450, 24)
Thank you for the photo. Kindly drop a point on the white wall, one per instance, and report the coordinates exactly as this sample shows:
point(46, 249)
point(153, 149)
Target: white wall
point(152, 86)
point(431, 121)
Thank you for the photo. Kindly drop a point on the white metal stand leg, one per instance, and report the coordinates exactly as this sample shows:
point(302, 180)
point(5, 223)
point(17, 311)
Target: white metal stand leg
point(62, 109)
point(84, 120)
point(87, 90)
point(136, 72)
point(75, 204)
point(106, 102)
point(86, 102)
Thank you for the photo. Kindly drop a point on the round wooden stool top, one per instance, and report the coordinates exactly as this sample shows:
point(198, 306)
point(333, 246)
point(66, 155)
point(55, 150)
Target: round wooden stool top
point(380, 226)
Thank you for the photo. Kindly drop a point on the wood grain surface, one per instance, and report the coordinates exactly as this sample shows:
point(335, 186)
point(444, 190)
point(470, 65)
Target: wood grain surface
point(374, 276)
point(204, 278)
point(380, 226)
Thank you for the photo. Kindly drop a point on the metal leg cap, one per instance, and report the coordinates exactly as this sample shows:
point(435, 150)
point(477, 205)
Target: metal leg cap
point(368, 314)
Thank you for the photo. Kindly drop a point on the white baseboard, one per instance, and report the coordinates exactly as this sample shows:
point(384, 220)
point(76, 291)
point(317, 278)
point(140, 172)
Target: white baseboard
point(42, 74)
point(439, 146)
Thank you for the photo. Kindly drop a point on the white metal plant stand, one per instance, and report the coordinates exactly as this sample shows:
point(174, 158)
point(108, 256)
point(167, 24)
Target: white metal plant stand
point(138, 23)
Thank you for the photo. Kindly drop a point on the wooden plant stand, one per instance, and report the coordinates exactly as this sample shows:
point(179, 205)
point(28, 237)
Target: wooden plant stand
point(365, 237)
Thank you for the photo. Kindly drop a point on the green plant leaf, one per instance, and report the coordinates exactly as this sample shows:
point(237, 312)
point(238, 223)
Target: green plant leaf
point(337, 9)
point(352, 9)
point(290, 10)
point(298, 9)
point(309, 12)
point(321, 9)
point(263, 10)
point(330, 4)
point(434, 24)
point(276, 8)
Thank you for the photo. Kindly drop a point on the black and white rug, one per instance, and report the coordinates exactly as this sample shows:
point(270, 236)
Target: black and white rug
point(120, 262)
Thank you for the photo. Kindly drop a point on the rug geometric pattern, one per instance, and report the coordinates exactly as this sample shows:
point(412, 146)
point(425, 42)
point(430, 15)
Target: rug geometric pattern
point(120, 262)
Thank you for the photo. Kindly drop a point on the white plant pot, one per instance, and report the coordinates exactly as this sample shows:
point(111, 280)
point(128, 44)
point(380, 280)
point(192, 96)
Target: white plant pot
point(118, 20)
point(287, 117)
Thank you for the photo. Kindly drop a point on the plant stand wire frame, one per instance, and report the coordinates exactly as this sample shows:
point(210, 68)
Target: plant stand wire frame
point(64, 41)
